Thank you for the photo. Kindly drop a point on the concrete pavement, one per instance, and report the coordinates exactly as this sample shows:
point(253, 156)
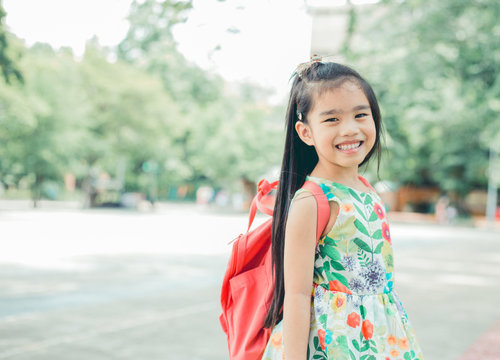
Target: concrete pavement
point(111, 284)
point(450, 285)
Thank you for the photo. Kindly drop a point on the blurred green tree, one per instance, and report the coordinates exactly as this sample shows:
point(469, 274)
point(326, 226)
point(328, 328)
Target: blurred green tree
point(219, 126)
point(149, 118)
point(41, 119)
point(435, 68)
point(129, 113)
point(7, 64)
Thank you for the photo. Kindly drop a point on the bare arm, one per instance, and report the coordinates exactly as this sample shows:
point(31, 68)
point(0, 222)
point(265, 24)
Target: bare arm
point(300, 244)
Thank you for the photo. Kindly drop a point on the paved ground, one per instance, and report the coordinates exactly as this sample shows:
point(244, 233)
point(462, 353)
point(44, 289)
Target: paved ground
point(450, 285)
point(113, 284)
point(486, 347)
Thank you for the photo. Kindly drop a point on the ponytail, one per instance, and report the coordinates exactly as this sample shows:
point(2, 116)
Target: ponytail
point(298, 161)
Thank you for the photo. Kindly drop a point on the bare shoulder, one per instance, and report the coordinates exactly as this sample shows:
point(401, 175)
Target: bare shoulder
point(302, 204)
point(302, 213)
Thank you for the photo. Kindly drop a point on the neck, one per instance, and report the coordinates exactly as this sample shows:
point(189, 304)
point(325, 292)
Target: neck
point(348, 176)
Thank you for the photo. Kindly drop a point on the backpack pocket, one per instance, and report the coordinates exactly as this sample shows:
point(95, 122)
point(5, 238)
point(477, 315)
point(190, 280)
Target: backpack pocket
point(247, 327)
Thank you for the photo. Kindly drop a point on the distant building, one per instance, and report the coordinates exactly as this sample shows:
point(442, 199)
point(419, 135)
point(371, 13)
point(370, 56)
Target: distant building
point(330, 21)
point(329, 24)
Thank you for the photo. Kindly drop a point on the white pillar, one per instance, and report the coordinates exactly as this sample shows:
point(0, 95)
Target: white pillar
point(492, 185)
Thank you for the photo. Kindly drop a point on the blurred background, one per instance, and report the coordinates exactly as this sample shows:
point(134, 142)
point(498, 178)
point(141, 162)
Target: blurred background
point(133, 134)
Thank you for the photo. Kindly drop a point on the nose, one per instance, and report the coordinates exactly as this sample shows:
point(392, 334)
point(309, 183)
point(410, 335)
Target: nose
point(349, 127)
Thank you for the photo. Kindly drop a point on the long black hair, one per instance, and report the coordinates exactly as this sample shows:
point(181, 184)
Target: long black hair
point(300, 159)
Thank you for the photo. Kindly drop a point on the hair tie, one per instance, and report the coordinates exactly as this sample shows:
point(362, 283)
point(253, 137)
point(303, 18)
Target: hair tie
point(299, 115)
point(303, 67)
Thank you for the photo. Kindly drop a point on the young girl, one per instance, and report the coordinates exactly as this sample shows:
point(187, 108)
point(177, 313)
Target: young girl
point(333, 127)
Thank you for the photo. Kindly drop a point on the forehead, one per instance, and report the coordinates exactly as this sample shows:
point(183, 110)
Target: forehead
point(343, 97)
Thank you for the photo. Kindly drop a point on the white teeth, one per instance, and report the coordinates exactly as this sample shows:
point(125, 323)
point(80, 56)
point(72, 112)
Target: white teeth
point(348, 147)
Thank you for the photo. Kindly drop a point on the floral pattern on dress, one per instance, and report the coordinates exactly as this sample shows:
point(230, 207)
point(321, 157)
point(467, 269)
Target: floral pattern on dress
point(355, 310)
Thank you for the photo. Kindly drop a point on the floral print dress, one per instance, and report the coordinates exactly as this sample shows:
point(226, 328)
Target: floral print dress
point(355, 311)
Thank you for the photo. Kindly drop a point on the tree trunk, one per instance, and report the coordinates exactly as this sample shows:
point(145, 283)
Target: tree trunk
point(36, 190)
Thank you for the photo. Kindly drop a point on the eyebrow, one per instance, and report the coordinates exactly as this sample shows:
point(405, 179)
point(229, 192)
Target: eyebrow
point(335, 111)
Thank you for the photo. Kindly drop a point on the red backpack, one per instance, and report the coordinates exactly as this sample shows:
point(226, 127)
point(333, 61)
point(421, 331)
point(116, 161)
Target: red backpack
point(248, 285)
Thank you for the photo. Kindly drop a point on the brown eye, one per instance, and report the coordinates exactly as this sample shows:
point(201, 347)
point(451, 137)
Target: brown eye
point(358, 116)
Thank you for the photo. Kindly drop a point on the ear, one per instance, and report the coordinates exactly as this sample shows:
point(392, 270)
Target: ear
point(304, 132)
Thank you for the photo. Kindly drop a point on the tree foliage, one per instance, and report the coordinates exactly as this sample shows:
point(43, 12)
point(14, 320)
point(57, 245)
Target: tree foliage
point(148, 117)
point(152, 116)
point(7, 64)
point(435, 68)
point(219, 126)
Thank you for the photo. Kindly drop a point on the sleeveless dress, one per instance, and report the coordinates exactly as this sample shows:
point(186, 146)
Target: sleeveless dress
point(355, 310)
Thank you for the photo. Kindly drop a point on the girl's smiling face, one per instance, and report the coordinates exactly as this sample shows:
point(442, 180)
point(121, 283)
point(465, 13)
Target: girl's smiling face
point(340, 126)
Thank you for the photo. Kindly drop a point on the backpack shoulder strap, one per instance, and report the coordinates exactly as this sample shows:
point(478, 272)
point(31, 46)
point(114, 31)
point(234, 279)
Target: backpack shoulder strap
point(265, 188)
point(322, 205)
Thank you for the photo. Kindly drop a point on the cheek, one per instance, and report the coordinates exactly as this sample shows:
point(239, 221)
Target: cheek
point(371, 133)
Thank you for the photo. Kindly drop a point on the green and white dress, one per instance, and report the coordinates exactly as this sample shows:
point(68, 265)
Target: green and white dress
point(355, 311)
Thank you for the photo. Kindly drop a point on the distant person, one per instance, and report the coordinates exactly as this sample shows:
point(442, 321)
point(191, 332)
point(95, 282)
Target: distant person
point(440, 209)
point(445, 213)
point(334, 299)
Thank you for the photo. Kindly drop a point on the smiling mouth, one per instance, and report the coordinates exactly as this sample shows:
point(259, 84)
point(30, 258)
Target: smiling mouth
point(350, 146)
